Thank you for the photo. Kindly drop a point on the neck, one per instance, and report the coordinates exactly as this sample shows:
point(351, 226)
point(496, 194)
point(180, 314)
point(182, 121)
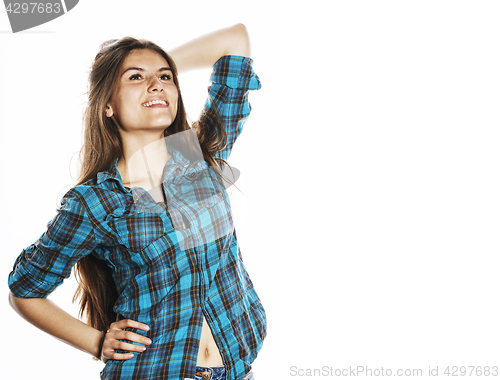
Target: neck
point(143, 160)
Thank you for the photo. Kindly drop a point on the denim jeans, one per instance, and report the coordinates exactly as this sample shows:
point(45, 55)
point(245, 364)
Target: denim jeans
point(215, 373)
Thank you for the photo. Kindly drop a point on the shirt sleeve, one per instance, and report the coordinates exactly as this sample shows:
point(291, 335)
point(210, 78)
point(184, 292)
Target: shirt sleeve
point(44, 265)
point(232, 77)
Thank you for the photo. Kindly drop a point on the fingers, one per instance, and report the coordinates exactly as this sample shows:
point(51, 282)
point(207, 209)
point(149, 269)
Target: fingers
point(124, 323)
point(114, 340)
point(119, 345)
point(115, 356)
point(118, 334)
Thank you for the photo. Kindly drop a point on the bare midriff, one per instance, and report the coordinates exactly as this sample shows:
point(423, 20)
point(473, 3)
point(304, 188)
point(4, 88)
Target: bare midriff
point(208, 354)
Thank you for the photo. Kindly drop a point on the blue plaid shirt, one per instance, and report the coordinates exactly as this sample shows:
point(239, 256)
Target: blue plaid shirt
point(168, 275)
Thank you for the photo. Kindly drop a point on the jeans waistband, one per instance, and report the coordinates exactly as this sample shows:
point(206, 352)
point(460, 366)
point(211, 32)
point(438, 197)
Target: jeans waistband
point(210, 373)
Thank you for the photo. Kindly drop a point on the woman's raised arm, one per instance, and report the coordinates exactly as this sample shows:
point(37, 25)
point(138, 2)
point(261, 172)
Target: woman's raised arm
point(204, 51)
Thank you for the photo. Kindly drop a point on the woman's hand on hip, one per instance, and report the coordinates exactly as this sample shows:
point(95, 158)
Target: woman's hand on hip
point(115, 335)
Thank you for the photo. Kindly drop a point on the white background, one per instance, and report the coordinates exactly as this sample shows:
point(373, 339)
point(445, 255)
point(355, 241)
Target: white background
point(369, 211)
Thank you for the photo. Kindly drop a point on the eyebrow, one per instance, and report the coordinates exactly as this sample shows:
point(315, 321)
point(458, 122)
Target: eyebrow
point(141, 69)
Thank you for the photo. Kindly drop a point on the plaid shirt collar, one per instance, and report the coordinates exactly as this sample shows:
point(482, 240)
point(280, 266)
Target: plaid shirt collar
point(111, 173)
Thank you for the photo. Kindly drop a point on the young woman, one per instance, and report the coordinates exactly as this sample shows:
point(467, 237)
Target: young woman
point(162, 281)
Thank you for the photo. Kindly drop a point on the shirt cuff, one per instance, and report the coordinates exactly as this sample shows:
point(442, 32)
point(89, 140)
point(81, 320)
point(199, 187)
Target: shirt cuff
point(23, 280)
point(235, 71)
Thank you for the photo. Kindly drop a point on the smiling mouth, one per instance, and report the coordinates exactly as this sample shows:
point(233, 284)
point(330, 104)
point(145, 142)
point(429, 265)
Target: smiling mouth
point(156, 103)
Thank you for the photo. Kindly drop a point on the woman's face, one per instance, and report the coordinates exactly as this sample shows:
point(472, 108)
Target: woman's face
point(145, 96)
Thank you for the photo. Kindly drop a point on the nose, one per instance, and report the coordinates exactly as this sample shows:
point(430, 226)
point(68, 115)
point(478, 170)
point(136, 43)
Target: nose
point(155, 84)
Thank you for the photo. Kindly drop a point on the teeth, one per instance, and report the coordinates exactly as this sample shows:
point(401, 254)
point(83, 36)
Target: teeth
point(148, 104)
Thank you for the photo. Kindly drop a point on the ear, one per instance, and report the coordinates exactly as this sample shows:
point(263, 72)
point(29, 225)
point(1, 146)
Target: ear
point(109, 110)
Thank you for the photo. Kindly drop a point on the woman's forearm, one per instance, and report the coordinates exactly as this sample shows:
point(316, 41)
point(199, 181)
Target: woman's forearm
point(207, 49)
point(49, 317)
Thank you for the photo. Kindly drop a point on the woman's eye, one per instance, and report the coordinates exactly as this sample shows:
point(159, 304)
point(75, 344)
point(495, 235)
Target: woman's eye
point(166, 77)
point(135, 77)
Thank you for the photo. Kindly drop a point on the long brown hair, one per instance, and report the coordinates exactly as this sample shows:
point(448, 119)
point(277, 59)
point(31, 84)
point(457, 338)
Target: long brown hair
point(102, 146)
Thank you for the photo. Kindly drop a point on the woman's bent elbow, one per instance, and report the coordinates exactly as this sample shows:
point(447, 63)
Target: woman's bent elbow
point(241, 45)
point(241, 29)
